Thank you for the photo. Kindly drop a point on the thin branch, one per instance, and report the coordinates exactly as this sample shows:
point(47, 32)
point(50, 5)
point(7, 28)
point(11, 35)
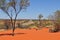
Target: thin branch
point(7, 13)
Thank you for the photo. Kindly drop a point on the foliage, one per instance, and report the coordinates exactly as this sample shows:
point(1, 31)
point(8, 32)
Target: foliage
point(40, 16)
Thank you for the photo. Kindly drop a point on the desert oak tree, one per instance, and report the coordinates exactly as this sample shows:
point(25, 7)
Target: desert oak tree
point(40, 16)
point(12, 8)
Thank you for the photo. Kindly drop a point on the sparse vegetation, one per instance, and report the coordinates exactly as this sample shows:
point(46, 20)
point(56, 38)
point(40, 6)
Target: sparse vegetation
point(56, 21)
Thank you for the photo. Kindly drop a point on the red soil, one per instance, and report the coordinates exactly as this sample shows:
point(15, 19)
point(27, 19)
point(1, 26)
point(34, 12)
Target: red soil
point(32, 34)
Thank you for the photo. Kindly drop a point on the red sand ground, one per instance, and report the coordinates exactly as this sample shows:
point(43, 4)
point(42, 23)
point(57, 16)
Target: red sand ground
point(32, 34)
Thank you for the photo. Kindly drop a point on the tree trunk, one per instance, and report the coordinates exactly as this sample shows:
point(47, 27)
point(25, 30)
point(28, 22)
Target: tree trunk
point(40, 22)
point(14, 25)
point(13, 31)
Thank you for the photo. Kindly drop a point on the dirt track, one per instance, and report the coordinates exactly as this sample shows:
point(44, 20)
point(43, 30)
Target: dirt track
point(32, 34)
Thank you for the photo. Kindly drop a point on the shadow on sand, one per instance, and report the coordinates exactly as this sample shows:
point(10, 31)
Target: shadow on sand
point(10, 34)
